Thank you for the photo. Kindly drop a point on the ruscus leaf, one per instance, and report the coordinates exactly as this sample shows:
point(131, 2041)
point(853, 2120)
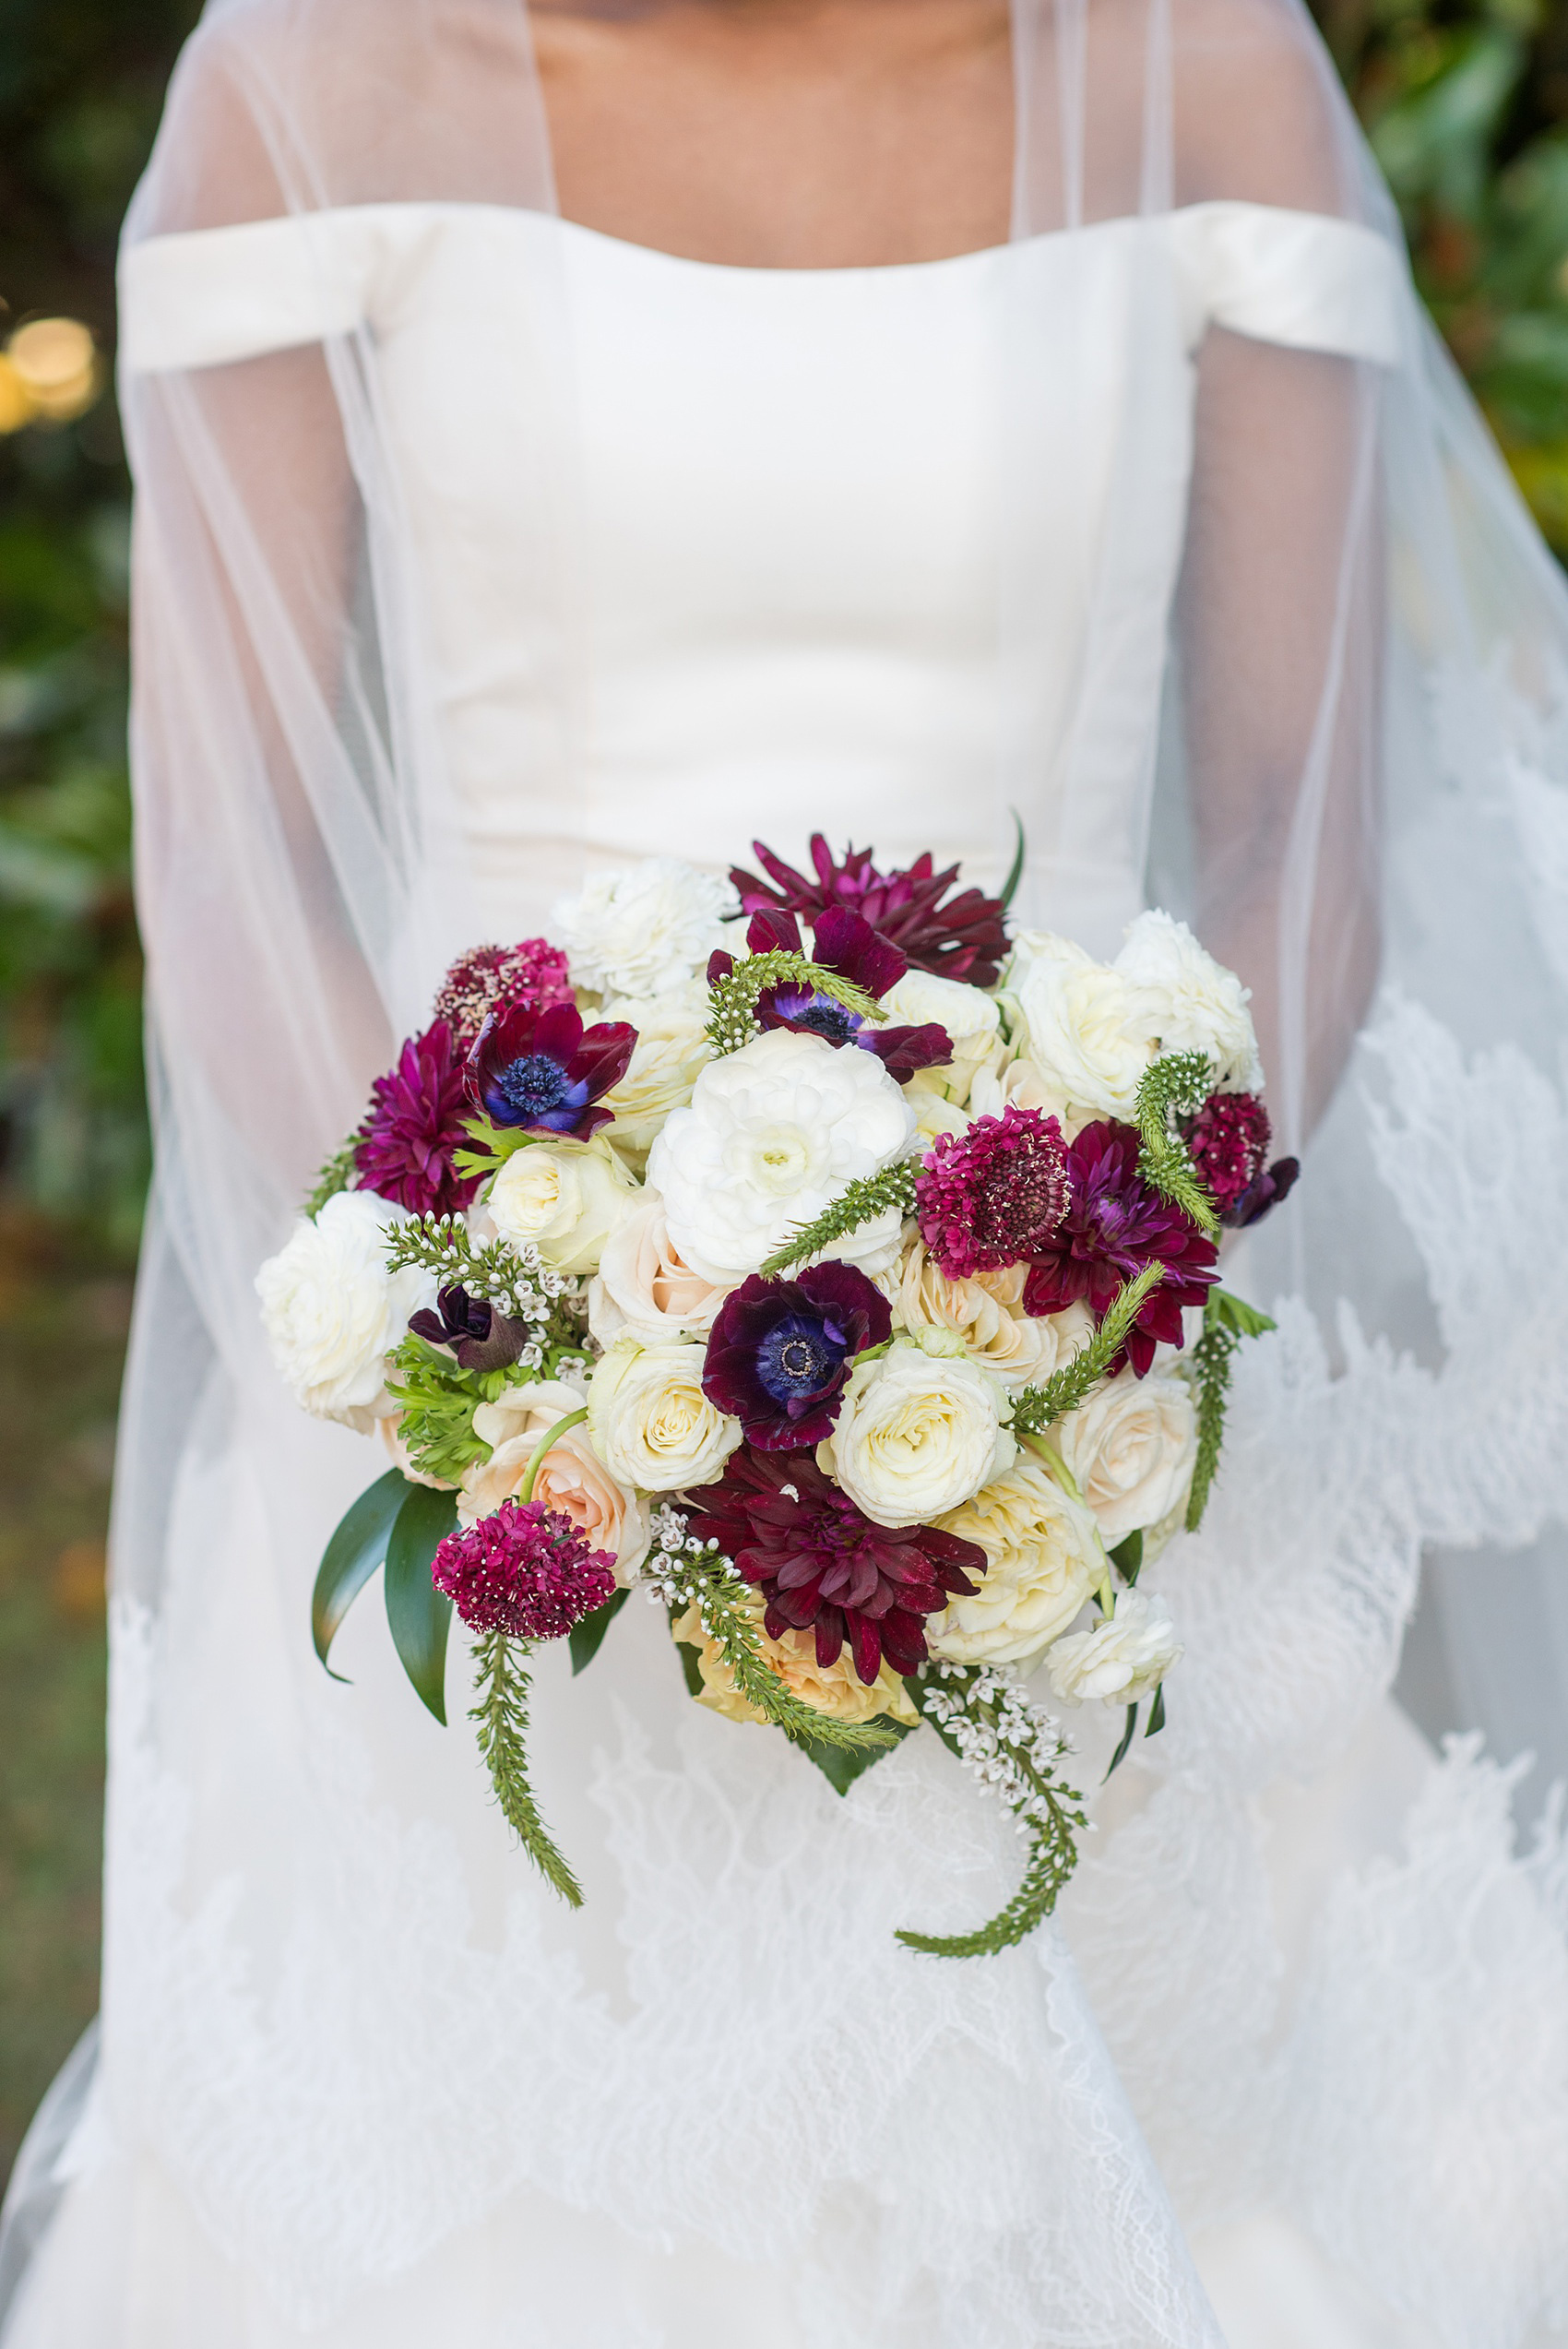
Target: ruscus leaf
point(417, 1612)
point(356, 1549)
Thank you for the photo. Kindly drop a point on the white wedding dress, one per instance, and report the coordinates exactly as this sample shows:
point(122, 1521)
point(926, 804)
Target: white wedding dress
point(369, 2087)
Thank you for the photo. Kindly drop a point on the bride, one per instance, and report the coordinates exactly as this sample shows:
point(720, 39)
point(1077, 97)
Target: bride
point(612, 429)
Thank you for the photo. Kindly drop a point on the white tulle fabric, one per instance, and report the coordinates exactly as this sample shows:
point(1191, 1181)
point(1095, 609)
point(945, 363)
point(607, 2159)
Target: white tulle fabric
point(475, 550)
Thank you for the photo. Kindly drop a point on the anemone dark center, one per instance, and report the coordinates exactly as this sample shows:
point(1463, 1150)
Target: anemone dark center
point(532, 1087)
point(826, 1017)
point(796, 1358)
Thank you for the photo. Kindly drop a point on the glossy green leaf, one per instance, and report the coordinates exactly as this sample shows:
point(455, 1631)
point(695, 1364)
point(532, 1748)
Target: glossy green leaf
point(1127, 1557)
point(1119, 1755)
point(841, 1765)
point(353, 1555)
point(418, 1613)
point(587, 1637)
point(1015, 870)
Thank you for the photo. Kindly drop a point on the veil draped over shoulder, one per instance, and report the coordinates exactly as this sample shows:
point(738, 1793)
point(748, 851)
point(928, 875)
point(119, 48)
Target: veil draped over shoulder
point(1357, 793)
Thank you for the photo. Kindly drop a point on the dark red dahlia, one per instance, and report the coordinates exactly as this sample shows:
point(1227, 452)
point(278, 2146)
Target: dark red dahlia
point(994, 1195)
point(964, 937)
point(405, 1148)
point(1228, 1140)
point(846, 945)
point(823, 1567)
point(543, 1070)
point(480, 1334)
point(1115, 1225)
point(525, 1570)
point(782, 1351)
point(530, 975)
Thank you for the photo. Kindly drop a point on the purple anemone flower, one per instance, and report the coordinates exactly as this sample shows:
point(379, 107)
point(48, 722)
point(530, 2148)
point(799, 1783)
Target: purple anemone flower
point(479, 1333)
point(846, 944)
point(525, 1570)
point(1113, 1225)
point(543, 1071)
point(404, 1151)
point(782, 1351)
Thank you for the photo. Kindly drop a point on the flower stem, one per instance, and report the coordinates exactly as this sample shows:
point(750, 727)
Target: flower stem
point(535, 1458)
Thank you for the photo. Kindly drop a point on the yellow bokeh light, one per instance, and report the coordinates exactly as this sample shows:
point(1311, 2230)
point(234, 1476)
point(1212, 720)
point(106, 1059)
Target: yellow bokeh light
point(15, 402)
point(51, 372)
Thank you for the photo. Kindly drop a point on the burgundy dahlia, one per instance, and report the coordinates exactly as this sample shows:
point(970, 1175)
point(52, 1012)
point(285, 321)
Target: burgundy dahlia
point(782, 1351)
point(994, 1195)
point(1113, 1225)
point(960, 938)
point(823, 1567)
point(532, 975)
point(480, 1334)
point(848, 946)
point(1228, 1140)
point(543, 1070)
point(404, 1150)
point(525, 1570)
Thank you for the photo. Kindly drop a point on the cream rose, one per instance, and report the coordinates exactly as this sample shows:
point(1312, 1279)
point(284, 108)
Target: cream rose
point(1186, 1001)
point(332, 1311)
point(772, 1134)
point(987, 1313)
point(671, 1051)
point(916, 1436)
point(1130, 1450)
point(564, 1199)
point(644, 930)
point(1044, 1558)
point(971, 1019)
point(836, 1688)
point(1086, 1032)
point(571, 1479)
point(651, 1425)
point(1121, 1659)
point(643, 1286)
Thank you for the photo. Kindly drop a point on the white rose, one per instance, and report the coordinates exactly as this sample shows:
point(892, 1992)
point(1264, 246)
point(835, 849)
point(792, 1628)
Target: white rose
point(773, 1133)
point(332, 1311)
point(564, 1199)
point(1186, 1001)
point(916, 1436)
point(970, 1017)
point(987, 1313)
point(1121, 1659)
point(644, 1285)
point(1044, 1560)
point(571, 1478)
point(651, 1425)
point(1084, 1032)
point(670, 1051)
point(1019, 1083)
point(1130, 1450)
point(644, 930)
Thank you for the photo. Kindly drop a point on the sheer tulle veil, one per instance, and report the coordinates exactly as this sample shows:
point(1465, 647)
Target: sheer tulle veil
point(1359, 795)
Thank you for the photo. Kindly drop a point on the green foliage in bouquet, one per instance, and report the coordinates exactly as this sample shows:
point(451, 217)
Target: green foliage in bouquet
point(1036, 1407)
point(733, 1004)
point(501, 1718)
point(437, 1400)
point(1177, 1085)
point(860, 1202)
point(1226, 1320)
point(399, 1525)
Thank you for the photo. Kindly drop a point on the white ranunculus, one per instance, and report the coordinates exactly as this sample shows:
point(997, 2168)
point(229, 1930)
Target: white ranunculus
point(1121, 1659)
point(1131, 1450)
point(1043, 1560)
point(670, 1051)
point(644, 930)
point(772, 1134)
point(651, 1425)
point(571, 1478)
point(331, 1310)
point(643, 1286)
point(1085, 1034)
point(970, 1017)
point(916, 1436)
point(564, 1199)
point(987, 1314)
point(1186, 1001)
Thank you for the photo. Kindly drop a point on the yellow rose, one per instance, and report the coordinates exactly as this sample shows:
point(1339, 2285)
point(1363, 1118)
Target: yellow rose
point(836, 1689)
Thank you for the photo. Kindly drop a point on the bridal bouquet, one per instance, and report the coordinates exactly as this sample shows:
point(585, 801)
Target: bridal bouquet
point(811, 1256)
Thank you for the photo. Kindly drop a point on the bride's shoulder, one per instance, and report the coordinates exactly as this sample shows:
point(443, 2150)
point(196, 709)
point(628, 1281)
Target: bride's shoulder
point(1258, 114)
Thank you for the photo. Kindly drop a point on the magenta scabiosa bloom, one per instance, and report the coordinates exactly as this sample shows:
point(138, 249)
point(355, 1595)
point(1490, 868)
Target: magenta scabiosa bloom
point(994, 1195)
point(525, 1570)
point(1113, 1225)
point(543, 1070)
point(404, 1150)
point(781, 1351)
point(1228, 1140)
point(823, 1567)
point(958, 937)
point(530, 976)
point(845, 943)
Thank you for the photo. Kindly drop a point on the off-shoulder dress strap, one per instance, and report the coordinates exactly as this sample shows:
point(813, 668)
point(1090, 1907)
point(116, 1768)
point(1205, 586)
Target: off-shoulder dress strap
point(1299, 278)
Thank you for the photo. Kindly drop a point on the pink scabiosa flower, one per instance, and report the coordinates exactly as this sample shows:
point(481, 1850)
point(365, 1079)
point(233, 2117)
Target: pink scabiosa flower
point(543, 1070)
point(994, 1195)
point(1115, 1223)
point(824, 1567)
point(958, 937)
point(525, 1570)
point(781, 1351)
point(1228, 1140)
point(530, 976)
point(848, 946)
point(404, 1150)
